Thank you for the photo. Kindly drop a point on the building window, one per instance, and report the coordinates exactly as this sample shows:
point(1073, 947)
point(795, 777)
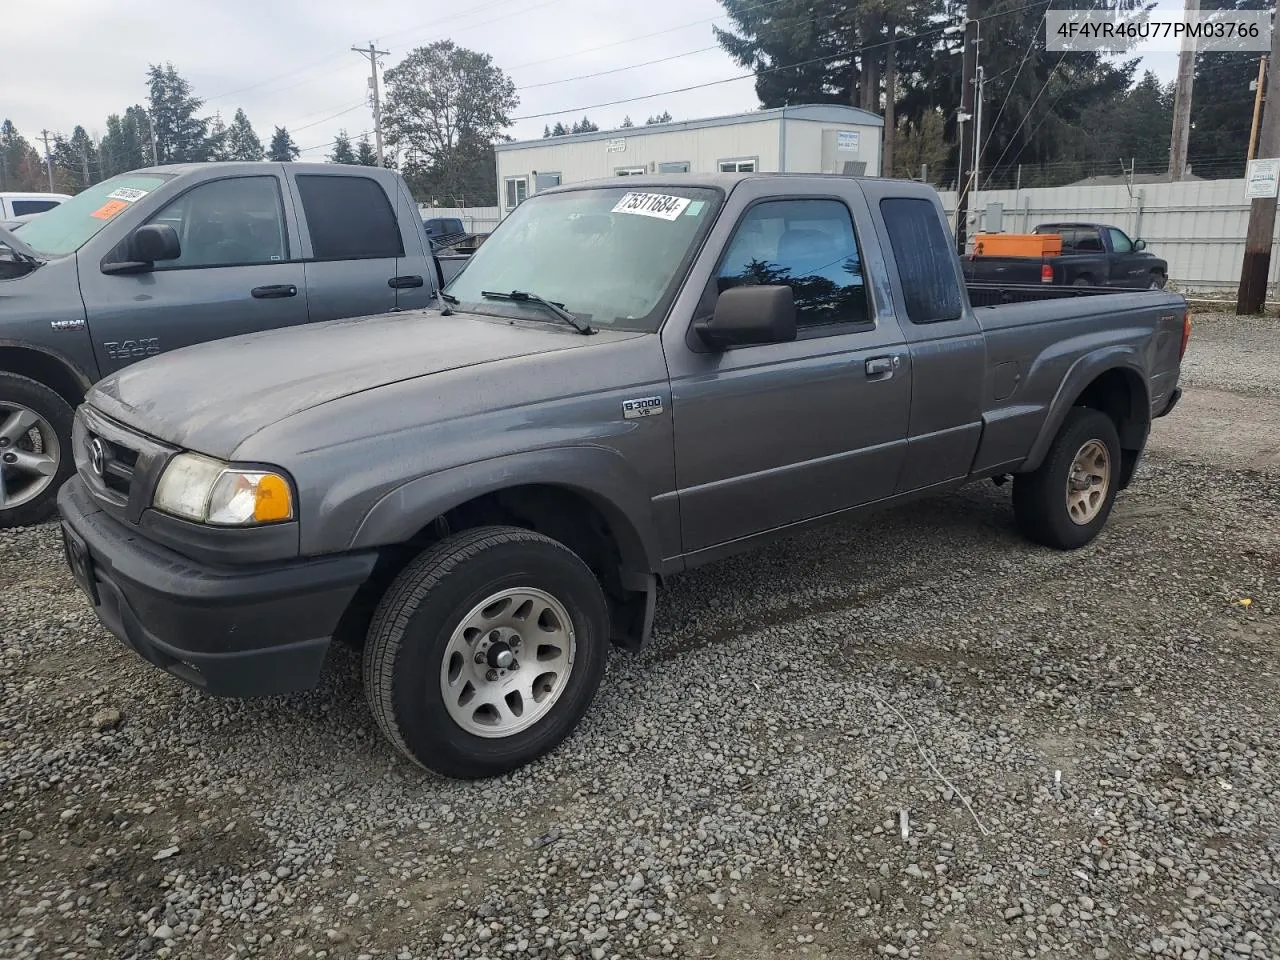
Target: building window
point(739, 165)
point(630, 171)
point(677, 166)
point(545, 181)
point(517, 191)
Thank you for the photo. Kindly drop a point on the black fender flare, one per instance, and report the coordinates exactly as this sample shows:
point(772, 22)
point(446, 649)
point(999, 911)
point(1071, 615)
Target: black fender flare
point(597, 474)
point(1082, 373)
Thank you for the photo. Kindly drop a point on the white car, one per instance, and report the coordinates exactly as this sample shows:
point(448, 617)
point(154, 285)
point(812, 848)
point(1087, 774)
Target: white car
point(21, 207)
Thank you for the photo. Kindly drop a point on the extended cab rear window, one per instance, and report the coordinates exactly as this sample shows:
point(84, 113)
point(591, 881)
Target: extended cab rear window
point(350, 218)
point(926, 264)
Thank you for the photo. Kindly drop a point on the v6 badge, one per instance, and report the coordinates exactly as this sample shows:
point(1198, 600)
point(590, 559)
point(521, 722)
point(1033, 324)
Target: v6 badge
point(644, 407)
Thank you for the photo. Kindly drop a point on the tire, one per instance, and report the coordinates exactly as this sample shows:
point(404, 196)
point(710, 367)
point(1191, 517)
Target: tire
point(1042, 500)
point(412, 652)
point(37, 460)
point(1158, 280)
point(1082, 282)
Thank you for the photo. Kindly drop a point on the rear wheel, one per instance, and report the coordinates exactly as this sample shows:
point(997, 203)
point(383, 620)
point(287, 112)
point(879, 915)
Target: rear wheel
point(1066, 501)
point(486, 651)
point(1082, 282)
point(1158, 280)
point(35, 450)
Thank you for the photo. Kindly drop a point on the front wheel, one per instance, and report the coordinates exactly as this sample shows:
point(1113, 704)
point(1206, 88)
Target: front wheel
point(35, 450)
point(486, 651)
point(1066, 501)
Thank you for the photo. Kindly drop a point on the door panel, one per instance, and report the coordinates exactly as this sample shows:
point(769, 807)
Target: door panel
point(417, 260)
point(354, 244)
point(237, 238)
point(776, 434)
point(771, 435)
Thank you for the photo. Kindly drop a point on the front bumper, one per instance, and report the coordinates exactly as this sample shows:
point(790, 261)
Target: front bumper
point(257, 630)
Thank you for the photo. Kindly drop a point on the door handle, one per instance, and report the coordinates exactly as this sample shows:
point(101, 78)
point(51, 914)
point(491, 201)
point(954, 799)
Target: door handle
point(400, 283)
point(275, 291)
point(882, 367)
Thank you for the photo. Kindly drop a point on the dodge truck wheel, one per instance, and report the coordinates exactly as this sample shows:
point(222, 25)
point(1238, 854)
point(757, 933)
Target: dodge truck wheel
point(35, 459)
point(486, 651)
point(1066, 502)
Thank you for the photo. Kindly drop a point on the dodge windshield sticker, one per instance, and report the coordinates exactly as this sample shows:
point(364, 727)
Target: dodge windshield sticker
point(128, 194)
point(652, 205)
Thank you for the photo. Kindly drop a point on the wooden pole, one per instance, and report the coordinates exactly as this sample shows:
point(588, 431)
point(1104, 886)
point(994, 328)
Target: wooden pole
point(1262, 211)
point(1257, 106)
point(1182, 101)
point(969, 73)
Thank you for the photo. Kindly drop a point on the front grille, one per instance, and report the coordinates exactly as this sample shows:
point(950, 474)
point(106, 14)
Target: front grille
point(119, 465)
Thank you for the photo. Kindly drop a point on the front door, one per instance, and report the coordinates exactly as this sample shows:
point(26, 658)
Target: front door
point(237, 273)
point(769, 435)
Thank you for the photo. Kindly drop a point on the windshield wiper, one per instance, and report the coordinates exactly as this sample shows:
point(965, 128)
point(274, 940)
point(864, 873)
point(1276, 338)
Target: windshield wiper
point(520, 296)
point(449, 298)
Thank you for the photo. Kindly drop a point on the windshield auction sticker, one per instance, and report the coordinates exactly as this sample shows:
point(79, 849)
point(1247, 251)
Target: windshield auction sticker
point(128, 194)
point(109, 209)
point(652, 205)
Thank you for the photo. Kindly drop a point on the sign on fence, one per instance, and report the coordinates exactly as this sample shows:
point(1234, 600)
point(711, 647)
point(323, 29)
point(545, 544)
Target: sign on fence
point(1263, 179)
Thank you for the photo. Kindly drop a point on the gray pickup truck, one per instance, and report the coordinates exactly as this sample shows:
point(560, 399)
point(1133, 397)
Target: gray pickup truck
point(627, 382)
point(161, 258)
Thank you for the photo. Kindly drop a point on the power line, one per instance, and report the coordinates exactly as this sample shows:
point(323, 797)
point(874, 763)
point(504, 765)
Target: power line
point(605, 73)
point(842, 55)
point(1027, 115)
point(316, 123)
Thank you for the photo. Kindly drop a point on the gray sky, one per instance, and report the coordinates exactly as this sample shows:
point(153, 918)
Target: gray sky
point(297, 69)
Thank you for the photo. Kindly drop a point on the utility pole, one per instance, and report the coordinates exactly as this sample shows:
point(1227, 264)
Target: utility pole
point(977, 130)
point(373, 53)
point(1257, 106)
point(84, 164)
point(48, 158)
point(1182, 99)
point(968, 78)
point(151, 135)
point(1262, 211)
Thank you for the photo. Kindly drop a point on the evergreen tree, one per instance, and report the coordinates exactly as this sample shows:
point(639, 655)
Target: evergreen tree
point(219, 136)
point(342, 152)
point(365, 154)
point(180, 135)
point(242, 142)
point(559, 130)
point(20, 166)
point(663, 117)
point(282, 149)
point(546, 132)
point(626, 123)
point(584, 126)
point(124, 147)
point(76, 161)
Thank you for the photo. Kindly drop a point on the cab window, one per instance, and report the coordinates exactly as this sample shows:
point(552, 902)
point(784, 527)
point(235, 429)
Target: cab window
point(233, 222)
point(810, 246)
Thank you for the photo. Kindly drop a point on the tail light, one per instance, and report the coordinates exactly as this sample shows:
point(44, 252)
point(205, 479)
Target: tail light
point(1186, 334)
point(1046, 273)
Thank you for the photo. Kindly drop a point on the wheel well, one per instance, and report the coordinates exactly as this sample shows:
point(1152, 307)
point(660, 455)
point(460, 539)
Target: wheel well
point(605, 543)
point(1120, 395)
point(47, 369)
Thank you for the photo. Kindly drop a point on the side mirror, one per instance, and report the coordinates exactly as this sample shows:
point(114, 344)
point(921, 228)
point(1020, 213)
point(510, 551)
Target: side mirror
point(1139, 244)
point(155, 241)
point(750, 315)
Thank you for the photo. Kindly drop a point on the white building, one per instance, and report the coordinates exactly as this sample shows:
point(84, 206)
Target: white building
point(820, 138)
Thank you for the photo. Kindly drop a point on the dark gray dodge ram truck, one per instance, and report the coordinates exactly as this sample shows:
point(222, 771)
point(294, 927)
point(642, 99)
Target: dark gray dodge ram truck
point(162, 258)
point(627, 381)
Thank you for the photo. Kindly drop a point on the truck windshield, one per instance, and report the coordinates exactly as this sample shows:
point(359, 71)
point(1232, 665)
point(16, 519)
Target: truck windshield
point(73, 223)
point(612, 256)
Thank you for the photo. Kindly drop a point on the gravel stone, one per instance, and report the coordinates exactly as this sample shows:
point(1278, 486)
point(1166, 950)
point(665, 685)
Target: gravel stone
point(1107, 721)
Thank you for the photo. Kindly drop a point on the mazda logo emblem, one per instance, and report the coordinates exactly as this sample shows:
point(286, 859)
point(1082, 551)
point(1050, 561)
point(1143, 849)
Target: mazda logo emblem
point(97, 455)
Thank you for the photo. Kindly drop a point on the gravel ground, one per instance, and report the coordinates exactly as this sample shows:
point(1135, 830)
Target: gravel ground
point(1106, 723)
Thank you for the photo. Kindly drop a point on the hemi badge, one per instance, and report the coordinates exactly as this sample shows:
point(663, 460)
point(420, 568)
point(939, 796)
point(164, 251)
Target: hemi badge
point(67, 324)
point(644, 407)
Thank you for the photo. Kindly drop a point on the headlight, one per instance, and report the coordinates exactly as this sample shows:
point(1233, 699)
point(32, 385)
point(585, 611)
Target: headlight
point(205, 490)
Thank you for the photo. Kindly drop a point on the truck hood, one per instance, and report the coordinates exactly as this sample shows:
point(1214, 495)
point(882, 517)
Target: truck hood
point(213, 396)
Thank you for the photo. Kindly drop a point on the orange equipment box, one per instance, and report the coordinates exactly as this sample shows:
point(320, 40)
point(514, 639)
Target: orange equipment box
point(1017, 245)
